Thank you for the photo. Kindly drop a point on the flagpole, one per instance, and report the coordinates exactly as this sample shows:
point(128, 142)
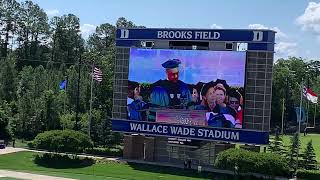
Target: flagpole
point(307, 114)
point(300, 110)
point(90, 112)
point(300, 119)
point(65, 97)
point(282, 116)
point(314, 117)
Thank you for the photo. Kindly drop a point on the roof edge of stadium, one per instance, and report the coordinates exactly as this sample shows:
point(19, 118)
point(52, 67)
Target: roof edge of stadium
point(209, 29)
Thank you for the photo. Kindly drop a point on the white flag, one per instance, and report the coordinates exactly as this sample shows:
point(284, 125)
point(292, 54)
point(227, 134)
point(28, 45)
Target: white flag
point(310, 95)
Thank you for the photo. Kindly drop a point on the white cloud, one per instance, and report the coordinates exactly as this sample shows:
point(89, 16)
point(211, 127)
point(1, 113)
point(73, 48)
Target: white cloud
point(285, 49)
point(310, 19)
point(257, 26)
point(279, 34)
point(52, 12)
point(87, 29)
point(215, 26)
point(283, 46)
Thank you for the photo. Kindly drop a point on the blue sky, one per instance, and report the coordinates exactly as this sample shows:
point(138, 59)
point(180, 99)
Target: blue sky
point(297, 21)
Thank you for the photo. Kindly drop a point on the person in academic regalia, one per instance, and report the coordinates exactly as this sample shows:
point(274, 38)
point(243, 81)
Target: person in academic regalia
point(134, 101)
point(178, 91)
point(234, 103)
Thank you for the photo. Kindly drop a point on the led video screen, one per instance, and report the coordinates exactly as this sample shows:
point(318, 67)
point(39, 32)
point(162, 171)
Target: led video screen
point(186, 87)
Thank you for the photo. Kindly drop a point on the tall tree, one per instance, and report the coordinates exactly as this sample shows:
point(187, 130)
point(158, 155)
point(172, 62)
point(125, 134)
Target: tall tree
point(9, 16)
point(67, 43)
point(51, 110)
point(103, 38)
point(4, 120)
point(33, 32)
point(8, 79)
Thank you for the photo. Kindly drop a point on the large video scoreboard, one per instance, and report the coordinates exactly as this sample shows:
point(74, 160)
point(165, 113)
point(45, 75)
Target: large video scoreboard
point(202, 84)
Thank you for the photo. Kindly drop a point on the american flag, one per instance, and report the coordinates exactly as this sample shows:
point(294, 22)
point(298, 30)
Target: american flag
point(97, 74)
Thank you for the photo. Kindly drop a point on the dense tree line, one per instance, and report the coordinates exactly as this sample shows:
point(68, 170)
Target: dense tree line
point(288, 77)
point(37, 53)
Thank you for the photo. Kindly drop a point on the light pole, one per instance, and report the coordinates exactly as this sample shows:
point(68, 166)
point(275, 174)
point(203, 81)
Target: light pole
point(78, 47)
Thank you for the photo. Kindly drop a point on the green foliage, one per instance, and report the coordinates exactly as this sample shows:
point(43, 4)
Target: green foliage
point(46, 52)
point(4, 120)
point(67, 120)
point(62, 161)
point(287, 75)
point(62, 141)
point(309, 157)
point(294, 162)
point(276, 145)
point(308, 174)
point(8, 78)
point(105, 151)
point(248, 161)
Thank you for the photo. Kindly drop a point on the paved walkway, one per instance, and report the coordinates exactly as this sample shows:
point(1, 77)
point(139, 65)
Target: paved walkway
point(22, 175)
point(8, 150)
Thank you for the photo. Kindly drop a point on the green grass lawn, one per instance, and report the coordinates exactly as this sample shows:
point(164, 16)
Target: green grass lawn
point(23, 161)
point(304, 140)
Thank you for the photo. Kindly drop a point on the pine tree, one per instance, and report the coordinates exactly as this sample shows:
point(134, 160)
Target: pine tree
point(293, 151)
point(309, 157)
point(276, 145)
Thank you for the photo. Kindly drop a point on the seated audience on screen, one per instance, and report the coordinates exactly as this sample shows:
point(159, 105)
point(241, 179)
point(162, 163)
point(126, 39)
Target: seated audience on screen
point(234, 103)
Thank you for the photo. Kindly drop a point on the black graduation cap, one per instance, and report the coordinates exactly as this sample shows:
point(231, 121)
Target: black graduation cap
point(171, 63)
point(234, 93)
point(206, 87)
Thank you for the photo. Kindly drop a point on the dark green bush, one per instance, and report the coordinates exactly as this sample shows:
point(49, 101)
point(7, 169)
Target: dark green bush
point(62, 141)
point(51, 160)
point(308, 174)
point(30, 144)
point(114, 152)
point(254, 162)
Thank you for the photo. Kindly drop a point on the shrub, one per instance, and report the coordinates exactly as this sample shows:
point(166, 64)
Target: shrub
point(62, 141)
point(30, 144)
point(309, 157)
point(254, 162)
point(62, 161)
point(114, 152)
point(308, 174)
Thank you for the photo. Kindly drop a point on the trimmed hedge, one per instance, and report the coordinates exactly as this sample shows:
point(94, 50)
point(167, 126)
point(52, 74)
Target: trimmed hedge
point(252, 162)
point(308, 174)
point(114, 152)
point(62, 141)
point(51, 160)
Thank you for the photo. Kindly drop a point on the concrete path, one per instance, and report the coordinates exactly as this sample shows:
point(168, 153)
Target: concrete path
point(22, 175)
point(8, 150)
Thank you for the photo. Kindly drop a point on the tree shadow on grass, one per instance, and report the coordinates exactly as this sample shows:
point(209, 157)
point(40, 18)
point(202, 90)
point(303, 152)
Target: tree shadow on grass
point(179, 171)
point(59, 161)
point(189, 172)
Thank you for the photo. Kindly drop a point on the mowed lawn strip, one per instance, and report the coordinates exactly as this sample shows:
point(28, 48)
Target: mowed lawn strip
point(23, 161)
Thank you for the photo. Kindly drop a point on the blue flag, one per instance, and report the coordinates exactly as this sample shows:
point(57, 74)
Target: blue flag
point(303, 114)
point(63, 85)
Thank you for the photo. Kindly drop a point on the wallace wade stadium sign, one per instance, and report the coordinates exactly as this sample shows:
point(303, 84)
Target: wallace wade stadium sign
point(208, 35)
point(193, 132)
